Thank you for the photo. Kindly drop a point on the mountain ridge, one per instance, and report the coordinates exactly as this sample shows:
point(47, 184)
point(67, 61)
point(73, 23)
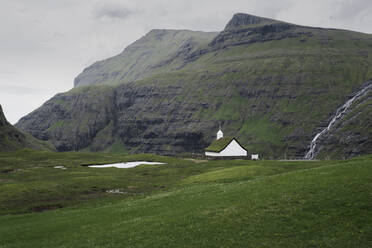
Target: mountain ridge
point(142, 58)
point(242, 19)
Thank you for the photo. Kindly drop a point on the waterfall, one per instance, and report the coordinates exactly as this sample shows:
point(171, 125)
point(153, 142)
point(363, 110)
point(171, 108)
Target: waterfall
point(339, 113)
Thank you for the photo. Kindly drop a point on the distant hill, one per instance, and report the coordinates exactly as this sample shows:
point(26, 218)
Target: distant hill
point(271, 84)
point(12, 139)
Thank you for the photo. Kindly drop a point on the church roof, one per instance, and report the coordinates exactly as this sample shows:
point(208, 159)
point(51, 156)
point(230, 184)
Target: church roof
point(219, 145)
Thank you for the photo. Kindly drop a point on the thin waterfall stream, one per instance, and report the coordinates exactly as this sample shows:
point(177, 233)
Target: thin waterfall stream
point(339, 113)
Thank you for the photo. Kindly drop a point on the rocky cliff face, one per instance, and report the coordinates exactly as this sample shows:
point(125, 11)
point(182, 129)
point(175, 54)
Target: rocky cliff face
point(137, 117)
point(3, 121)
point(240, 20)
point(270, 84)
point(12, 139)
point(73, 119)
point(352, 135)
point(245, 29)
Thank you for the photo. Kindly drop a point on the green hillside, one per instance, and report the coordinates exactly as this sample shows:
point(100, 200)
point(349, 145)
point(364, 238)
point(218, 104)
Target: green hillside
point(158, 51)
point(271, 84)
point(13, 139)
point(184, 203)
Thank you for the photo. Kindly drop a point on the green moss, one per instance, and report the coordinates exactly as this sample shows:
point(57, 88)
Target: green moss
point(232, 174)
point(261, 130)
point(117, 148)
point(56, 125)
point(219, 145)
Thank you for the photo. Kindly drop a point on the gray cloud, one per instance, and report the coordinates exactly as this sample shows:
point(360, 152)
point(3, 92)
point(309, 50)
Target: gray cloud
point(112, 10)
point(21, 90)
point(352, 9)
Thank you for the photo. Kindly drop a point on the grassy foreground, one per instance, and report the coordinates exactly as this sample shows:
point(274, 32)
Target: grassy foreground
point(183, 203)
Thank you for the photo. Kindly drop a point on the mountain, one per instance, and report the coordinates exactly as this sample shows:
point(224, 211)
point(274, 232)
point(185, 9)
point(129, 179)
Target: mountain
point(159, 51)
point(271, 84)
point(12, 139)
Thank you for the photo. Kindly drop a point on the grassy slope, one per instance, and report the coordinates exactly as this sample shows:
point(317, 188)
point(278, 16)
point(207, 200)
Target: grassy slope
point(277, 204)
point(155, 52)
point(30, 182)
point(13, 139)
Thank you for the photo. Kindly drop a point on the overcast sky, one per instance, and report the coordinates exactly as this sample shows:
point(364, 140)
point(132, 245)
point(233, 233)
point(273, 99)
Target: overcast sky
point(45, 44)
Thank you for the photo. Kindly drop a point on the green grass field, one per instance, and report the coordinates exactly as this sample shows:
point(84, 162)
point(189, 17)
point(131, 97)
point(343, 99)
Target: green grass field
point(183, 203)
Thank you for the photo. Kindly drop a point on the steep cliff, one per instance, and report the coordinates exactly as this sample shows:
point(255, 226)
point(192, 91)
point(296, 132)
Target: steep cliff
point(13, 139)
point(352, 134)
point(269, 83)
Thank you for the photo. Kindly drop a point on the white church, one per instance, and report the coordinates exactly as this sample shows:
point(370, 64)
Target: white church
point(225, 147)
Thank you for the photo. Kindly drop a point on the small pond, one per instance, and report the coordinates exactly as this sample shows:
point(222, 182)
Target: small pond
point(124, 165)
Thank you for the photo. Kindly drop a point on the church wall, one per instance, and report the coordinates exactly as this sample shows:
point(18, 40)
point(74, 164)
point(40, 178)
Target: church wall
point(233, 149)
point(213, 154)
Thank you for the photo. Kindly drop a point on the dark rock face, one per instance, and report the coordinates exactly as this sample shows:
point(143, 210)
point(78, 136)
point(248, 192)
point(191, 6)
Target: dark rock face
point(152, 119)
point(3, 121)
point(73, 124)
point(136, 115)
point(241, 19)
point(352, 135)
point(10, 137)
point(266, 31)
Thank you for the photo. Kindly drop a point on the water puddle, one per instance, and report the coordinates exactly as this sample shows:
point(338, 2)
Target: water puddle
point(124, 165)
point(60, 167)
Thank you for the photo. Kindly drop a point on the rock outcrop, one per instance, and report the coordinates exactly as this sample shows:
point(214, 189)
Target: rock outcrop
point(241, 19)
point(13, 139)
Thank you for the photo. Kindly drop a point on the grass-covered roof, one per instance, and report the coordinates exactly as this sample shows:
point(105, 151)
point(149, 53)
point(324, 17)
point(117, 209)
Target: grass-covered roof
point(219, 145)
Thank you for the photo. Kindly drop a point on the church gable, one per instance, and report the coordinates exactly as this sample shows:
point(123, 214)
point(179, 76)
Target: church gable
point(234, 149)
point(225, 147)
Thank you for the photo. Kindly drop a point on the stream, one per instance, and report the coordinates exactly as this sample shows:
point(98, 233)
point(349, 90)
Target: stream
point(341, 111)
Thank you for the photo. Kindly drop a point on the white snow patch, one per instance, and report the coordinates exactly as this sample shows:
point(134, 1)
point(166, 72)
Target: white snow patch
point(60, 167)
point(115, 191)
point(124, 165)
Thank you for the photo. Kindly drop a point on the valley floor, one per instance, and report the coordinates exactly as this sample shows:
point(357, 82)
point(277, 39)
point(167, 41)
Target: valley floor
point(182, 203)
